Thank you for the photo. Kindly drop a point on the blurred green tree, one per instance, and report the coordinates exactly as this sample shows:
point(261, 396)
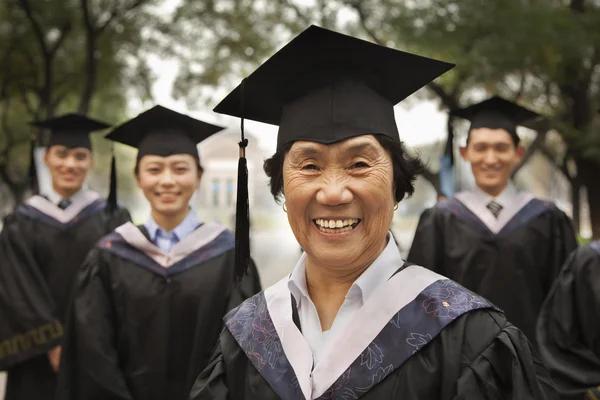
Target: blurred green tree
point(60, 56)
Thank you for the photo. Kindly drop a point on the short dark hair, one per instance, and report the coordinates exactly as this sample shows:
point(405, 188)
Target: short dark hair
point(136, 170)
point(406, 168)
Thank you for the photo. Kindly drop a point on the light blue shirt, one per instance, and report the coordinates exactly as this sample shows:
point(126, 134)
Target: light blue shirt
point(166, 240)
point(382, 269)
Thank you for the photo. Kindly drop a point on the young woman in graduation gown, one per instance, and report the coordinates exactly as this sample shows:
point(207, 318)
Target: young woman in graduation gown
point(568, 328)
point(42, 244)
point(149, 300)
point(353, 320)
point(499, 242)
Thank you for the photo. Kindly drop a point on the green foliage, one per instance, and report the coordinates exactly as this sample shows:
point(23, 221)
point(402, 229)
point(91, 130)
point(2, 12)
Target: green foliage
point(221, 41)
point(44, 67)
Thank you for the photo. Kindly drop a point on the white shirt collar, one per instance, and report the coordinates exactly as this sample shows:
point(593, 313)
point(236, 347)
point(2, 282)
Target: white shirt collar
point(504, 199)
point(55, 198)
point(384, 266)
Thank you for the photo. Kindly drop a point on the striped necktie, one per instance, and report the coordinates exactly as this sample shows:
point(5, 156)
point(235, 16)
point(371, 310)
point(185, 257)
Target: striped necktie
point(64, 203)
point(494, 208)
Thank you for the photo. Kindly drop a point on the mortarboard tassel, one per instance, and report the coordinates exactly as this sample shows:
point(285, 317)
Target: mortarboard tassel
point(111, 203)
point(32, 176)
point(242, 213)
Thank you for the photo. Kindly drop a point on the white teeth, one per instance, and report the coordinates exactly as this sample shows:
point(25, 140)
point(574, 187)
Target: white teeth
point(336, 224)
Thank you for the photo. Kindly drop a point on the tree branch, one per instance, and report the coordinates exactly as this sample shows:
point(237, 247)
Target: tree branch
point(91, 36)
point(6, 128)
point(26, 102)
point(299, 13)
point(533, 147)
point(449, 100)
point(115, 13)
point(39, 33)
point(562, 166)
point(362, 16)
point(64, 30)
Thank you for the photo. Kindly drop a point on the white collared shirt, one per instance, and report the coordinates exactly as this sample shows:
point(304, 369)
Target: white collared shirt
point(511, 200)
point(55, 198)
point(506, 199)
point(388, 262)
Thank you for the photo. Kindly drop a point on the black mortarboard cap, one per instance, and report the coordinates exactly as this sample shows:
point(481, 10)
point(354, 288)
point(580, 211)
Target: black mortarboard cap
point(325, 87)
point(71, 130)
point(497, 113)
point(163, 132)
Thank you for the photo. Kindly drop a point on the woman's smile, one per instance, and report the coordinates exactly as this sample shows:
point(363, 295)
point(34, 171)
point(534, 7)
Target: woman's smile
point(336, 225)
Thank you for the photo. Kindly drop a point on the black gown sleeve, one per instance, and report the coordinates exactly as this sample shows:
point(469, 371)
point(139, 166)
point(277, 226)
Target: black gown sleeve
point(568, 329)
point(225, 375)
point(507, 369)
point(564, 242)
point(29, 325)
point(427, 245)
point(90, 363)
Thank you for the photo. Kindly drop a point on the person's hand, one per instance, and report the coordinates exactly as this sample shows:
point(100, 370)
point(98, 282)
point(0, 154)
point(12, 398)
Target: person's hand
point(54, 358)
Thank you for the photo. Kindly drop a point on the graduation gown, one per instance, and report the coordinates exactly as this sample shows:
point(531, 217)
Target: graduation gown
point(569, 325)
point(41, 249)
point(513, 267)
point(144, 322)
point(420, 336)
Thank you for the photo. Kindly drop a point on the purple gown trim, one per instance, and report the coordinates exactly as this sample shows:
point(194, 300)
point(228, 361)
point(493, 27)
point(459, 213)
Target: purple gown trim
point(89, 211)
point(530, 211)
point(410, 330)
point(595, 246)
point(116, 244)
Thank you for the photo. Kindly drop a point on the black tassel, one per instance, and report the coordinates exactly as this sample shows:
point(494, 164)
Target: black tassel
point(33, 176)
point(242, 212)
point(111, 203)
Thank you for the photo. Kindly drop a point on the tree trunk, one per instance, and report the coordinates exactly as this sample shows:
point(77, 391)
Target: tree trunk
point(434, 179)
point(588, 172)
point(576, 201)
point(90, 59)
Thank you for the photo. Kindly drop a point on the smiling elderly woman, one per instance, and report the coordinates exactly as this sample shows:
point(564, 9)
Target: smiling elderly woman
point(353, 320)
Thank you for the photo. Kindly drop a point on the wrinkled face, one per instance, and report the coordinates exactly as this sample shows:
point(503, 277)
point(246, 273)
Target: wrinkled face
point(340, 199)
point(492, 155)
point(168, 182)
point(68, 167)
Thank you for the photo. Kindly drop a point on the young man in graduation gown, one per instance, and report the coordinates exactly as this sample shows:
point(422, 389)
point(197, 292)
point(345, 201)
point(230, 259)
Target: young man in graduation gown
point(501, 243)
point(42, 245)
point(568, 329)
point(149, 300)
point(353, 320)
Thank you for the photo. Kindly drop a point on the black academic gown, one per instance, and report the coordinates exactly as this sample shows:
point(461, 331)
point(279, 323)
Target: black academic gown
point(141, 331)
point(513, 268)
point(39, 258)
point(447, 343)
point(569, 325)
